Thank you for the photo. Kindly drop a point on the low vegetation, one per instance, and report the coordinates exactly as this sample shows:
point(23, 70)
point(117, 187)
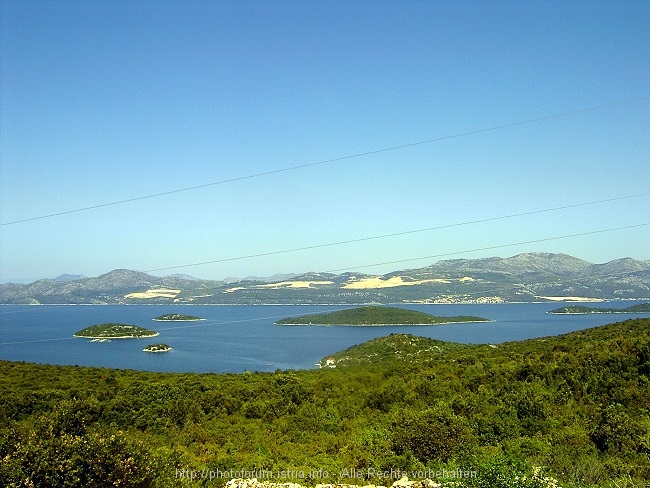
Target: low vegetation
point(581, 309)
point(571, 408)
point(376, 316)
point(115, 331)
point(157, 348)
point(176, 317)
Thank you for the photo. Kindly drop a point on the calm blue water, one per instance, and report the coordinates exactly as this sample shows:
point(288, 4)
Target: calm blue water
point(244, 338)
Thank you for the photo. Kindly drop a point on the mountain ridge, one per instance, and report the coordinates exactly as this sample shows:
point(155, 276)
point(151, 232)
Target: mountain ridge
point(534, 276)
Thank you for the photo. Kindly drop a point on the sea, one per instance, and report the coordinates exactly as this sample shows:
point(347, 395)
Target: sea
point(235, 339)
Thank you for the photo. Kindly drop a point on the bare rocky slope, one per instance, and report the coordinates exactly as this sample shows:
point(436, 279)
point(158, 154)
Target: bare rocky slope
point(521, 278)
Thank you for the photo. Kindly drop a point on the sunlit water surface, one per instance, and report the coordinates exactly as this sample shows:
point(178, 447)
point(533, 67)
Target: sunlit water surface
point(245, 338)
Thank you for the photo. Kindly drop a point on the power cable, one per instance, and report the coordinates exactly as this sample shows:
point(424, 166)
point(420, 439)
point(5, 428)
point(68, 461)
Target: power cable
point(272, 317)
point(202, 324)
point(327, 161)
point(396, 234)
point(501, 246)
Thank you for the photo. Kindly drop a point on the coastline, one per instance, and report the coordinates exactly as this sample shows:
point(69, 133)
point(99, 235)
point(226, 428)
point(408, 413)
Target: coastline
point(118, 337)
point(343, 304)
point(388, 325)
point(158, 350)
point(85, 353)
point(180, 320)
point(593, 313)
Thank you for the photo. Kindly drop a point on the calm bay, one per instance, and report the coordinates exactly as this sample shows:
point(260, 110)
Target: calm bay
point(245, 338)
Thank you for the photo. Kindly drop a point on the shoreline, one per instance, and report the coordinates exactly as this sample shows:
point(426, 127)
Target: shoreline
point(119, 337)
point(180, 320)
point(388, 325)
point(600, 300)
point(595, 313)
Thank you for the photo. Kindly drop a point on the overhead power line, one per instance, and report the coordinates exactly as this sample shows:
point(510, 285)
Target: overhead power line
point(325, 161)
point(394, 234)
point(489, 248)
point(206, 323)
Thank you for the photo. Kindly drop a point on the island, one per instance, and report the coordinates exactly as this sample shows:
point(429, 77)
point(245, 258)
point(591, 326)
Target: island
point(374, 315)
point(580, 309)
point(157, 348)
point(176, 317)
point(115, 331)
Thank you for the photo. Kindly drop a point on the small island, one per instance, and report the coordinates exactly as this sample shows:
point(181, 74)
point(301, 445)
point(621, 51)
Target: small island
point(580, 309)
point(115, 331)
point(157, 348)
point(374, 316)
point(176, 317)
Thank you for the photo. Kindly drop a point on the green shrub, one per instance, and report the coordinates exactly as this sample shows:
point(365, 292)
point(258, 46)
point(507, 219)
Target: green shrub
point(433, 434)
point(94, 460)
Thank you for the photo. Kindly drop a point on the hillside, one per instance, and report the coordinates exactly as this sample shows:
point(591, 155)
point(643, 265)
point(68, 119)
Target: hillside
point(111, 287)
point(115, 331)
point(570, 408)
point(580, 309)
point(522, 278)
point(176, 317)
point(369, 316)
point(405, 348)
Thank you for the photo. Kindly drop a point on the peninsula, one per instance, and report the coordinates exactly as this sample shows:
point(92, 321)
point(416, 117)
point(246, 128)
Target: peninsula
point(115, 331)
point(373, 315)
point(157, 348)
point(580, 309)
point(176, 317)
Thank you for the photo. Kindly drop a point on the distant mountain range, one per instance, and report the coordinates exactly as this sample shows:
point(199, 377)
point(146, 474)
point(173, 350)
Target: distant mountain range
point(64, 278)
point(529, 277)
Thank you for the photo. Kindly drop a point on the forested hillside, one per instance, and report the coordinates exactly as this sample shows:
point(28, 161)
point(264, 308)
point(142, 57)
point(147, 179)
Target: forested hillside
point(573, 408)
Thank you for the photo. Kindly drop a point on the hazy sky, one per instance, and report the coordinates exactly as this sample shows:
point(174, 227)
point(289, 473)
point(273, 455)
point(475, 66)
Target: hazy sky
point(110, 101)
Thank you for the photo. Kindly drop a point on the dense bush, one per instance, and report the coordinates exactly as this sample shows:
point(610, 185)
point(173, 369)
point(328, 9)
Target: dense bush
point(65, 455)
point(576, 405)
point(432, 434)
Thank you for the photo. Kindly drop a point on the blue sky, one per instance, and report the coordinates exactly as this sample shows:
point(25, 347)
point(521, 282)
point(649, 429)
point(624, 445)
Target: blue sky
point(109, 101)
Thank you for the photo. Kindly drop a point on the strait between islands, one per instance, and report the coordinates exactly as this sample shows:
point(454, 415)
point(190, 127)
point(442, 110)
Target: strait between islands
point(106, 332)
point(376, 316)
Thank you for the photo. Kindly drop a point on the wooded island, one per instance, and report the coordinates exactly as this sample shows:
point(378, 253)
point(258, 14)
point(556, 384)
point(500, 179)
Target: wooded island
point(373, 315)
